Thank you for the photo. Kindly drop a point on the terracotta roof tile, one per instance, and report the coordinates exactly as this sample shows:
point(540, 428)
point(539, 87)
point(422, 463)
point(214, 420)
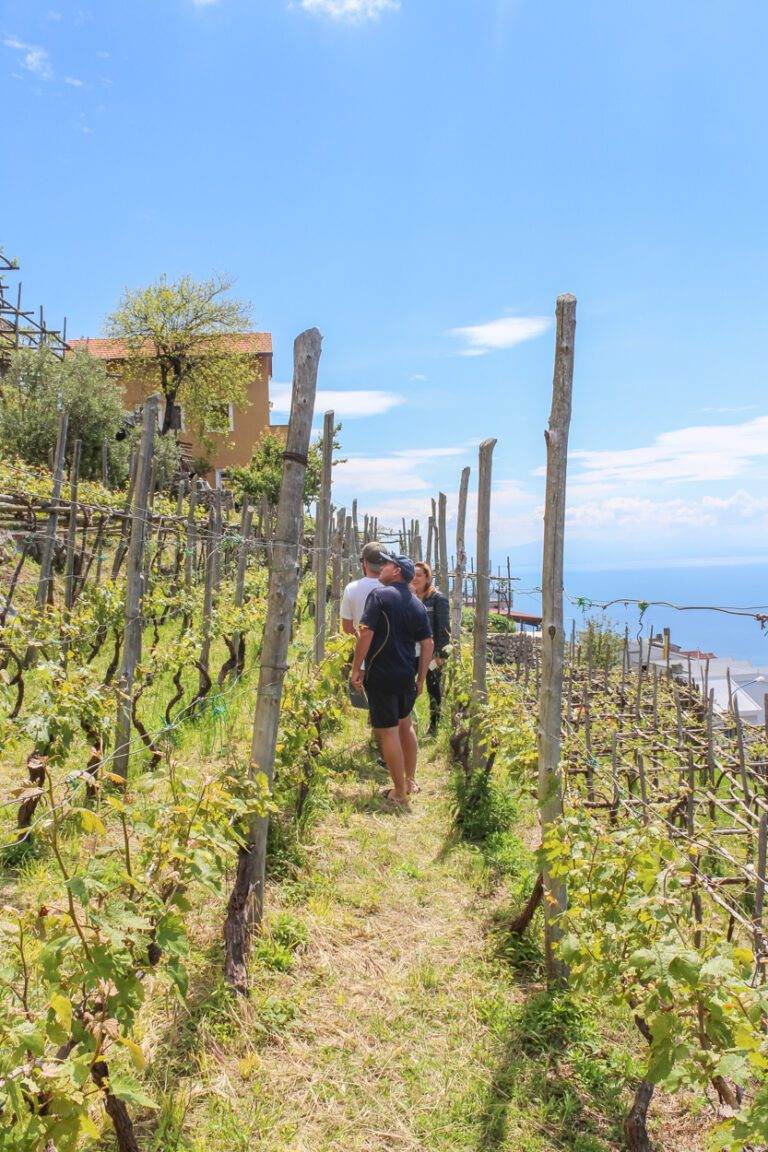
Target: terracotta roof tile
point(105, 349)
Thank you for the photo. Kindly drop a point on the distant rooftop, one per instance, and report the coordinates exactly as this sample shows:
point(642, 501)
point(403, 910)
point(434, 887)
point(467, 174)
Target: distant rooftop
point(253, 343)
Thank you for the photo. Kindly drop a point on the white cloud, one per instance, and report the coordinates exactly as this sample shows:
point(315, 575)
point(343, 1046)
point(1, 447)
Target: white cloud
point(639, 515)
point(204, 3)
point(347, 405)
point(352, 10)
point(73, 81)
point(53, 16)
point(359, 474)
point(395, 477)
point(699, 453)
point(417, 376)
point(34, 58)
point(428, 453)
point(506, 332)
point(102, 55)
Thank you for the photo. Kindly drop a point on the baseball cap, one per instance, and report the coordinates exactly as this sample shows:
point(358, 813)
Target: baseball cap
point(372, 553)
point(404, 563)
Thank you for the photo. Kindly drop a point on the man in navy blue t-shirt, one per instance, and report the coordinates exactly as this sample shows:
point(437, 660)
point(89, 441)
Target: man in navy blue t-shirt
point(392, 622)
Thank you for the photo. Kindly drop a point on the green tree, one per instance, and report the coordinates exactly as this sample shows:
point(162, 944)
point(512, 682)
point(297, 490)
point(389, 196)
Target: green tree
point(264, 474)
point(179, 341)
point(34, 388)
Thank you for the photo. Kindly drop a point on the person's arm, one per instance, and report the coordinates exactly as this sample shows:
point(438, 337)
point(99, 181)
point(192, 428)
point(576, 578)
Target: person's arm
point(425, 659)
point(346, 611)
point(361, 651)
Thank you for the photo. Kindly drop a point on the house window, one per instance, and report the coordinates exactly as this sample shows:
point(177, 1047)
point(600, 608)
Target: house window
point(178, 421)
point(222, 418)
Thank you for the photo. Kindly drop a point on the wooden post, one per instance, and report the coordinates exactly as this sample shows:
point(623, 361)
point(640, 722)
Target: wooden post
point(350, 564)
point(247, 894)
point(430, 536)
point(553, 637)
point(69, 572)
point(762, 845)
point(105, 462)
point(49, 539)
point(337, 545)
point(643, 785)
point(126, 520)
point(355, 528)
point(191, 548)
point(134, 590)
point(742, 753)
point(480, 637)
point(457, 592)
point(242, 564)
point(212, 580)
point(321, 538)
point(442, 503)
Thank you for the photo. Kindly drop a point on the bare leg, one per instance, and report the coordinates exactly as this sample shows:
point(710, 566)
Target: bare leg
point(410, 750)
point(391, 749)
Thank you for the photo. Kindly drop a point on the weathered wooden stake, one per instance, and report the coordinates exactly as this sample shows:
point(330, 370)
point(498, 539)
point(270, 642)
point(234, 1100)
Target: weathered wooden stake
point(246, 901)
point(134, 590)
point(49, 539)
point(553, 636)
point(457, 592)
point(337, 545)
point(442, 535)
point(242, 564)
point(321, 538)
point(480, 637)
point(69, 572)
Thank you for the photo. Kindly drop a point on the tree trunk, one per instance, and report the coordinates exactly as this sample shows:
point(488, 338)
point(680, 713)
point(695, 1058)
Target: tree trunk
point(635, 1130)
point(116, 1110)
point(519, 925)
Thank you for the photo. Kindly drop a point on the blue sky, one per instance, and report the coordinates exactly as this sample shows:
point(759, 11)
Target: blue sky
point(420, 180)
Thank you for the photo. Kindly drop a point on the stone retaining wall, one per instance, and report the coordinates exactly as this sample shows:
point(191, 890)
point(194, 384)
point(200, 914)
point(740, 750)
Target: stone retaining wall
point(507, 647)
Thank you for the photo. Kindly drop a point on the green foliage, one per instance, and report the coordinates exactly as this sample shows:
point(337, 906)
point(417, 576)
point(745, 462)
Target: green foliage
point(264, 474)
point(79, 966)
point(600, 641)
point(34, 387)
point(178, 336)
point(551, 1021)
point(499, 623)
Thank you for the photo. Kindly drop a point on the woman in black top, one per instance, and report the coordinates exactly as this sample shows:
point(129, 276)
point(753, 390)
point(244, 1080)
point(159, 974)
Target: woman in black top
point(438, 611)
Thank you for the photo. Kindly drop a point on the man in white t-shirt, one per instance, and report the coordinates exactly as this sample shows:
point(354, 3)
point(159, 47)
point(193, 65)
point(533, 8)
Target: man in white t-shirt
point(356, 593)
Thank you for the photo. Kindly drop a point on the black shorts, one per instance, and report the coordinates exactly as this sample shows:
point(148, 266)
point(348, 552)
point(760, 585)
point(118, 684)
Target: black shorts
point(386, 708)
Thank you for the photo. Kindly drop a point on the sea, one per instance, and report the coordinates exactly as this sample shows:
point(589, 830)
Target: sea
point(695, 590)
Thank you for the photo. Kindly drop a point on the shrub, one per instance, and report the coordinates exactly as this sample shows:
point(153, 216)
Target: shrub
point(34, 388)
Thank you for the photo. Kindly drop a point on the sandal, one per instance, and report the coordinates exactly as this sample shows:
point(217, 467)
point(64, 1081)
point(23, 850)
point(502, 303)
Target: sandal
point(391, 796)
point(414, 789)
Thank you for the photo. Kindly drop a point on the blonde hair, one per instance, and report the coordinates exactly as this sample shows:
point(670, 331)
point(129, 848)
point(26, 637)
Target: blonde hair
point(426, 569)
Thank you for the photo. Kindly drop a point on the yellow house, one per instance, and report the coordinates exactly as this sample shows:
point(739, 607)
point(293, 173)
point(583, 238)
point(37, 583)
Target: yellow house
point(246, 424)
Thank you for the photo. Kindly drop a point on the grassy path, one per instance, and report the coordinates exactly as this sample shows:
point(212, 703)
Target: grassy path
point(395, 1027)
point(386, 1013)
